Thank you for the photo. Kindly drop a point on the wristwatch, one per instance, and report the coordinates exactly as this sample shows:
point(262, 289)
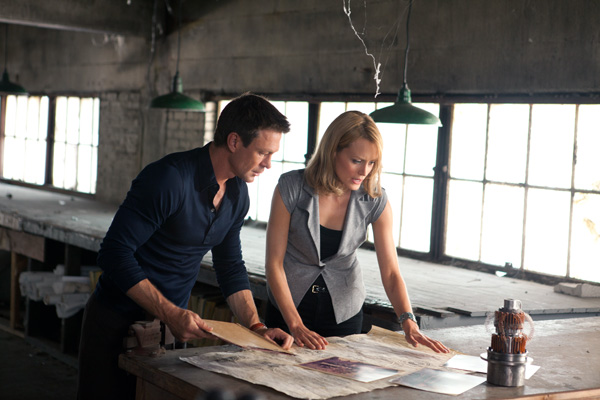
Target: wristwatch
point(405, 316)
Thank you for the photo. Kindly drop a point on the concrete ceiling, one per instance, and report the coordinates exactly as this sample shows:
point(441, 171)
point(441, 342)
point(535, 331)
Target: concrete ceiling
point(120, 17)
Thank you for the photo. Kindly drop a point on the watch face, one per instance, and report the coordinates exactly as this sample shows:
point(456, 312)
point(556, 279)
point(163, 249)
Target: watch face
point(405, 316)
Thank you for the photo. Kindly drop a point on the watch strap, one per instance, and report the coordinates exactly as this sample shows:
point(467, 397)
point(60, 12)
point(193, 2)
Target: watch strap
point(405, 316)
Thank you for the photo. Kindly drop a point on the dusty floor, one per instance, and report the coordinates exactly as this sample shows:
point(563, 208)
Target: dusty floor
point(27, 372)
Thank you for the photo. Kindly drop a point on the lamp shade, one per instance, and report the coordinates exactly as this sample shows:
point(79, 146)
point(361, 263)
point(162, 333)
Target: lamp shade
point(403, 112)
point(176, 100)
point(7, 87)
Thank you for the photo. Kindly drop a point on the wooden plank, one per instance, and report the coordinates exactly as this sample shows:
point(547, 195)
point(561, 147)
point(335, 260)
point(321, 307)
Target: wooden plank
point(145, 390)
point(23, 243)
point(18, 264)
point(572, 394)
point(436, 312)
point(470, 313)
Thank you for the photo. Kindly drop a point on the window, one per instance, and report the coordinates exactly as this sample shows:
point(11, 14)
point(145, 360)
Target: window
point(75, 161)
point(524, 187)
point(25, 131)
point(523, 183)
point(51, 141)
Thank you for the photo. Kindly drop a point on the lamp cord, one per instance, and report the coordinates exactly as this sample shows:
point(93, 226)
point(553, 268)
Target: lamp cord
point(178, 36)
point(5, 44)
point(407, 40)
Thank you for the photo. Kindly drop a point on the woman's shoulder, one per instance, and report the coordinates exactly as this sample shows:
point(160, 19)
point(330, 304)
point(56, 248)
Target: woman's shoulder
point(362, 195)
point(291, 187)
point(294, 177)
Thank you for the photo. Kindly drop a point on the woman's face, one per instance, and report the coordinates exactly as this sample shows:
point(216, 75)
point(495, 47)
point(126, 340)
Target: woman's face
point(355, 162)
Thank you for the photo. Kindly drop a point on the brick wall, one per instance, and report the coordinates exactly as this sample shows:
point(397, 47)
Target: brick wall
point(133, 135)
point(120, 137)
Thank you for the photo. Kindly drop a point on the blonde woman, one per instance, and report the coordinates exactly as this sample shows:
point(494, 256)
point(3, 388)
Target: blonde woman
point(319, 218)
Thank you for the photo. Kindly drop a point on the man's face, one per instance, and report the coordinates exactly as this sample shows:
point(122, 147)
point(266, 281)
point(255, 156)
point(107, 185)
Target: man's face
point(249, 162)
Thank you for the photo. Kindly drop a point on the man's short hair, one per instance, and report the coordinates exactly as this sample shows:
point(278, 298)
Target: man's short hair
point(246, 115)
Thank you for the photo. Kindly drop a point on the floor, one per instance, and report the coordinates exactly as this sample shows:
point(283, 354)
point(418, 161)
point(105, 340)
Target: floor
point(29, 373)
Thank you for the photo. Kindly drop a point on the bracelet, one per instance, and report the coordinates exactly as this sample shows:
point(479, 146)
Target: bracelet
point(405, 316)
point(257, 326)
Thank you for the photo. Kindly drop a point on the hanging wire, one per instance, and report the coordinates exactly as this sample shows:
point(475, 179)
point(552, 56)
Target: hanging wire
point(178, 36)
point(407, 40)
point(152, 46)
point(5, 44)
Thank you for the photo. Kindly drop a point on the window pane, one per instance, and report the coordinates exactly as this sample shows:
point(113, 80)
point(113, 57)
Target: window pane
point(96, 126)
point(327, 113)
point(94, 167)
point(416, 214)
point(21, 117)
point(551, 146)
point(253, 194)
point(84, 173)
point(507, 143)
point(11, 120)
point(70, 178)
point(393, 188)
point(34, 162)
point(421, 149)
point(280, 105)
point(464, 219)
point(294, 142)
point(14, 154)
point(266, 185)
point(32, 121)
point(467, 152)
point(587, 168)
point(86, 121)
point(60, 123)
point(73, 108)
point(58, 169)
point(394, 141)
point(502, 230)
point(547, 230)
point(585, 239)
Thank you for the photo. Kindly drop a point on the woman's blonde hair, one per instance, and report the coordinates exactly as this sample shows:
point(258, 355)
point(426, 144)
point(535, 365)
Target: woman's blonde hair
point(343, 131)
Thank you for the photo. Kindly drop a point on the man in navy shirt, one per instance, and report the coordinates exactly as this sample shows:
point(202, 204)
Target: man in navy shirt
point(179, 208)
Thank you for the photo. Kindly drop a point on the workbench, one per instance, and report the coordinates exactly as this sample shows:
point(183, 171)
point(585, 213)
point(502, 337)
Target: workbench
point(41, 228)
point(567, 351)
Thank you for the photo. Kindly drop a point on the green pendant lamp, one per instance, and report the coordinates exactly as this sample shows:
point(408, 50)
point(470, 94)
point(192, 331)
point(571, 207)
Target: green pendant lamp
point(6, 86)
point(402, 111)
point(176, 100)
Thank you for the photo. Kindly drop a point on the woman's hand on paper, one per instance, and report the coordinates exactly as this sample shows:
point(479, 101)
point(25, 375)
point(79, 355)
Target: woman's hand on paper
point(415, 337)
point(304, 337)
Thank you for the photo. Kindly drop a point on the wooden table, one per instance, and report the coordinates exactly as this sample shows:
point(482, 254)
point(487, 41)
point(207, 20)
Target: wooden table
point(568, 352)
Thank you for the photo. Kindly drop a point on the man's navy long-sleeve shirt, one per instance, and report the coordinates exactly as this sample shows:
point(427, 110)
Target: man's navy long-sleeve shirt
point(165, 226)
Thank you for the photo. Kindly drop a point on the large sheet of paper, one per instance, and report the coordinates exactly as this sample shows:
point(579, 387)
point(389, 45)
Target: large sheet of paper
point(282, 372)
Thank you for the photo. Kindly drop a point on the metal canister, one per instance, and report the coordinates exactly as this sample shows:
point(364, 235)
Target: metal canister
point(505, 369)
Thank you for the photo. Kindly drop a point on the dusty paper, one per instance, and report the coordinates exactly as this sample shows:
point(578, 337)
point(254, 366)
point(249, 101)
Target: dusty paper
point(241, 336)
point(281, 372)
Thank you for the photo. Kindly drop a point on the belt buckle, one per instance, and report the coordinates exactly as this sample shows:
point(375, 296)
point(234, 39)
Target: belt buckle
point(317, 289)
